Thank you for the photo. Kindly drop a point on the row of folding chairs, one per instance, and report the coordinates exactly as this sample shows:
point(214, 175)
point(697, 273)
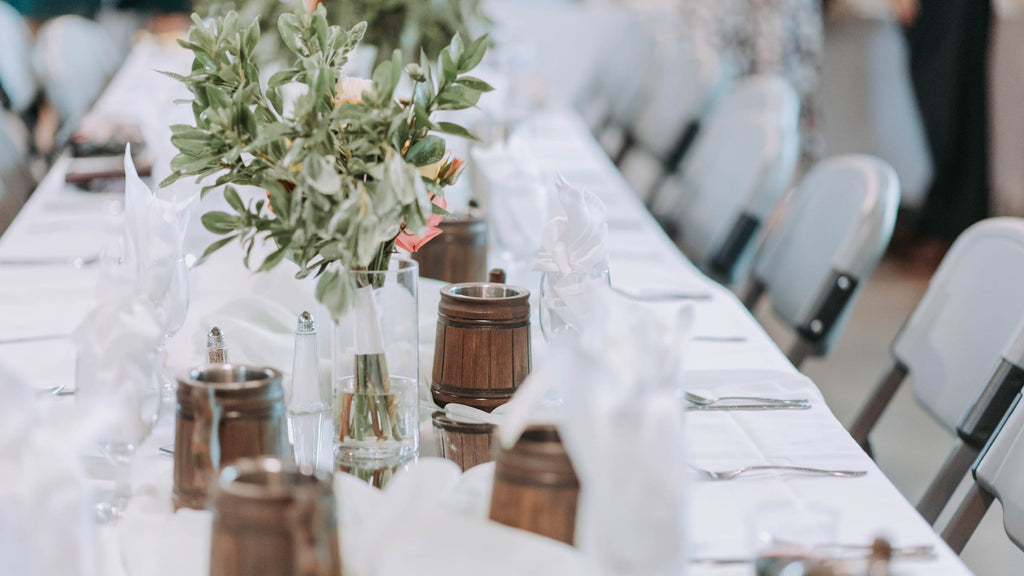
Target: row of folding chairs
point(716, 182)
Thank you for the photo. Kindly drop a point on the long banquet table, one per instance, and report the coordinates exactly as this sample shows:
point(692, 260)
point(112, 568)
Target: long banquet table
point(732, 354)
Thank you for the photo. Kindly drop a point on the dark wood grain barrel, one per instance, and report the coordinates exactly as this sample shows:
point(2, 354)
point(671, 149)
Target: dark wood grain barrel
point(482, 349)
point(465, 443)
point(273, 519)
point(535, 486)
point(247, 414)
point(459, 253)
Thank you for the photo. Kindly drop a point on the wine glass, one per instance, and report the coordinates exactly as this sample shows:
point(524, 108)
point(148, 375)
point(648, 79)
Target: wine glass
point(119, 400)
point(172, 307)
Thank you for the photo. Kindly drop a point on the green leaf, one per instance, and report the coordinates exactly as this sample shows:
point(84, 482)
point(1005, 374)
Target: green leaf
point(473, 54)
point(290, 28)
point(456, 48)
point(219, 222)
point(273, 259)
point(456, 97)
point(214, 247)
point(448, 71)
point(474, 83)
point(456, 130)
point(425, 151)
point(231, 195)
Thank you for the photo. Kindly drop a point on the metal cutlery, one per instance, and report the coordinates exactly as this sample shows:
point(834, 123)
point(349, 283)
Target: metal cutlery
point(662, 295)
point(730, 474)
point(35, 338)
point(850, 551)
point(705, 401)
point(72, 261)
point(709, 338)
point(743, 407)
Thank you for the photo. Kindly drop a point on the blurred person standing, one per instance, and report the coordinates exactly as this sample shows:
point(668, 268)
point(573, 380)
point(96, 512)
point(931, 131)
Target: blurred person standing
point(784, 37)
point(948, 44)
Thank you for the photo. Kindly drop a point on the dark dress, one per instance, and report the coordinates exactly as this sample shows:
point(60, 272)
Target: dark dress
point(948, 45)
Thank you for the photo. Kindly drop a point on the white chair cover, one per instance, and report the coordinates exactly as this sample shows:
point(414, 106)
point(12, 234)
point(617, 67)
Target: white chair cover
point(16, 75)
point(74, 58)
point(1000, 472)
point(974, 303)
point(839, 219)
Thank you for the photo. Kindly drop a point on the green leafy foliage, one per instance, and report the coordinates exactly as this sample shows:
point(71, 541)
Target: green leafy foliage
point(340, 166)
point(407, 25)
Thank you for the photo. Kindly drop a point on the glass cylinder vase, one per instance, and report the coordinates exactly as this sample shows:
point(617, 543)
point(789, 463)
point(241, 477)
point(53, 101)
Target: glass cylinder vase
point(376, 360)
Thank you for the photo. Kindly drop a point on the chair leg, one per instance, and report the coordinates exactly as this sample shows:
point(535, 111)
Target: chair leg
point(799, 351)
point(879, 399)
point(753, 295)
point(966, 519)
point(944, 484)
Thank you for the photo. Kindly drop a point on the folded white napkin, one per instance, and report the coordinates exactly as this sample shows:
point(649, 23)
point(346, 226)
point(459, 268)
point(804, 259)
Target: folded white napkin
point(43, 498)
point(573, 255)
point(622, 423)
point(154, 233)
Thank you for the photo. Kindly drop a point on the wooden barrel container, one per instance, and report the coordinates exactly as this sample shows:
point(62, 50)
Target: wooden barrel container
point(271, 518)
point(482, 349)
point(467, 444)
point(244, 418)
point(459, 254)
point(535, 486)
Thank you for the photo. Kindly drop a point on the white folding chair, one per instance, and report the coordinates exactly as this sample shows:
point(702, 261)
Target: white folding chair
point(998, 475)
point(74, 58)
point(688, 84)
point(767, 96)
point(961, 344)
point(729, 194)
point(619, 86)
point(812, 265)
point(16, 78)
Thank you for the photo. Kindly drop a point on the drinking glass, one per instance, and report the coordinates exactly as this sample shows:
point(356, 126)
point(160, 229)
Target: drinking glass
point(120, 405)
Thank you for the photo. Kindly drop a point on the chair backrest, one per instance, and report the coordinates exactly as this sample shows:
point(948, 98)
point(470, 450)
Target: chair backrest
point(74, 58)
point(839, 220)
point(619, 84)
point(999, 470)
point(689, 83)
point(19, 83)
point(953, 339)
point(719, 187)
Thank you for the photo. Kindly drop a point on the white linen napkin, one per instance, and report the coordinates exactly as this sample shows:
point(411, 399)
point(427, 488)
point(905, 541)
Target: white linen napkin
point(44, 523)
point(154, 233)
point(622, 423)
point(573, 255)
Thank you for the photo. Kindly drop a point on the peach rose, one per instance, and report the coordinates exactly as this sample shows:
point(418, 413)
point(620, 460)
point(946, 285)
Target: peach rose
point(350, 90)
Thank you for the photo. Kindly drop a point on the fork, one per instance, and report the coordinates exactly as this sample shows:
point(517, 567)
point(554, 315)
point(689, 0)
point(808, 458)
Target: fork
point(704, 401)
point(730, 474)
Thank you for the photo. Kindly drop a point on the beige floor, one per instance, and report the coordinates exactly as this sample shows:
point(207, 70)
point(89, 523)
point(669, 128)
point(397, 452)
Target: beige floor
point(909, 445)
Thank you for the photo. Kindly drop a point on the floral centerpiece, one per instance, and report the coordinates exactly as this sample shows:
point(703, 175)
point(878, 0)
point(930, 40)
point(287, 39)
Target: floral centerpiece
point(351, 169)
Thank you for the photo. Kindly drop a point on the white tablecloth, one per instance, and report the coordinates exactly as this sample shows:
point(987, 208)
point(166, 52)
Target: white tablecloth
point(51, 299)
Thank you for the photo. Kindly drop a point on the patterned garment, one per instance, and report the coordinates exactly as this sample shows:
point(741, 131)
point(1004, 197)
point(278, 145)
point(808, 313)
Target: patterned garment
point(784, 37)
